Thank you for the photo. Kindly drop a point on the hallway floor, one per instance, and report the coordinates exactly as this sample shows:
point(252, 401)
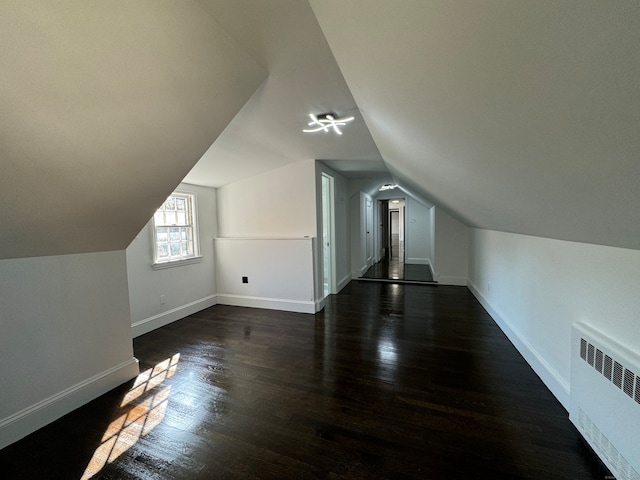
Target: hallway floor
point(393, 268)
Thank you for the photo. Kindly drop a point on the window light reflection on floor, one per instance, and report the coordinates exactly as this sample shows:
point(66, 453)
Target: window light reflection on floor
point(148, 405)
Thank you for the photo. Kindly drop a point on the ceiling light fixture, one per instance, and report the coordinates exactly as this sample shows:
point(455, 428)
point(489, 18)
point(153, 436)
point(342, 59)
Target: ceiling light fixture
point(387, 186)
point(324, 122)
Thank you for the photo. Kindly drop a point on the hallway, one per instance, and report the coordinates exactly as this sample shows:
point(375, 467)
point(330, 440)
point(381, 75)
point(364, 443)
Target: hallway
point(392, 268)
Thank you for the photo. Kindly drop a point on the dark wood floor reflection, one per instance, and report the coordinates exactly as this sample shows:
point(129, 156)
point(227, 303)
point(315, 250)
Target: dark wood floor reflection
point(392, 268)
point(389, 381)
point(398, 273)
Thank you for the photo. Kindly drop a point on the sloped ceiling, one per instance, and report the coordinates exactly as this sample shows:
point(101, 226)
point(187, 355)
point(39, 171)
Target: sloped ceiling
point(516, 116)
point(284, 37)
point(105, 107)
point(512, 115)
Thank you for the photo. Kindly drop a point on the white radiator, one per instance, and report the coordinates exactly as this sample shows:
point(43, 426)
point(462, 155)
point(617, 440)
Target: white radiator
point(605, 399)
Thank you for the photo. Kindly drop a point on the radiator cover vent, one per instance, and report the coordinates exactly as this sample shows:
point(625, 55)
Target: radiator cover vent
point(622, 377)
point(605, 399)
point(602, 445)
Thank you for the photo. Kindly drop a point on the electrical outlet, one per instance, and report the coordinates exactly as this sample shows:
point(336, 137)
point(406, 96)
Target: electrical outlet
point(245, 279)
point(162, 299)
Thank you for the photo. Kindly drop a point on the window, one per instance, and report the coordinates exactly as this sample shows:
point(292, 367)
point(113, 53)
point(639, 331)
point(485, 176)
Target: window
point(176, 231)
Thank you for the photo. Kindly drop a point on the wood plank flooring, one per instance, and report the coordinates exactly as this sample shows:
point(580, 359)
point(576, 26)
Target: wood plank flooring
point(389, 381)
point(392, 268)
point(385, 271)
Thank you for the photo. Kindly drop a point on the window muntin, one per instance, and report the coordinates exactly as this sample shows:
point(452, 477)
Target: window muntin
point(175, 229)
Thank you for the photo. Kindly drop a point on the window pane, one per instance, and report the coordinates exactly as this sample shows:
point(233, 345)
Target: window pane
point(175, 249)
point(170, 218)
point(175, 230)
point(163, 250)
point(162, 235)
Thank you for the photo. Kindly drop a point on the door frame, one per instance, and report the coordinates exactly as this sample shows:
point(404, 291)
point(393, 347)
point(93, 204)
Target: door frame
point(328, 235)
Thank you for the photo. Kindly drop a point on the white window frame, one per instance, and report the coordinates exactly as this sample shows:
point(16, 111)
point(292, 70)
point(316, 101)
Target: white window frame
point(192, 212)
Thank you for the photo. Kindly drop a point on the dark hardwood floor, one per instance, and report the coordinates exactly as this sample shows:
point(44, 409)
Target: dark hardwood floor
point(389, 381)
point(393, 268)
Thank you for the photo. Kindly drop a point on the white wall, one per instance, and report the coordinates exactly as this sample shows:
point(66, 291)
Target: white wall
point(450, 247)
point(186, 288)
point(341, 230)
point(279, 273)
point(417, 233)
point(66, 336)
point(258, 218)
point(536, 288)
point(278, 203)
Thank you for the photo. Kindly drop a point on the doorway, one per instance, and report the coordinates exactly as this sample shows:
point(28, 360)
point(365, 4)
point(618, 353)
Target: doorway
point(393, 238)
point(396, 229)
point(369, 230)
point(394, 234)
point(328, 235)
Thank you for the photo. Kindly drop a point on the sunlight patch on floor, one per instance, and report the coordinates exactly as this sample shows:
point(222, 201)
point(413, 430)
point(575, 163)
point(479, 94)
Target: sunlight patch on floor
point(148, 406)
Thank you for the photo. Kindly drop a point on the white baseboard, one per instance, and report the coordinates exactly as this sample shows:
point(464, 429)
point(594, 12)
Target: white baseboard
point(148, 324)
point(320, 304)
point(359, 273)
point(269, 303)
point(30, 419)
point(417, 261)
point(451, 280)
point(554, 382)
point(343, 283)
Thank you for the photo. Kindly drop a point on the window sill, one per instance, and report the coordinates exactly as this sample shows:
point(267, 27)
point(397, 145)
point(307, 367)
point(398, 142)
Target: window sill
point(176, 263)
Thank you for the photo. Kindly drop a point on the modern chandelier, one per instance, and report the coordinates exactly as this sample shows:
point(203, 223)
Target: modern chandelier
point(326, 121)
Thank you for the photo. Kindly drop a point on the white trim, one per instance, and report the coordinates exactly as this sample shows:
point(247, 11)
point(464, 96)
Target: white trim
point(177, 263)
point(451, 280)
point(30, 419)
point(320, 304)
point(343, 282)
point(362, 271)
point(550, 377)
point(269, 303)
point(160, 320)
point(417, 261)
point(305, 237)
point(331, 197)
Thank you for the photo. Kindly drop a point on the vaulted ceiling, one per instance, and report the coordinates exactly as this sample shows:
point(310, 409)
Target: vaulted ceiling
point(105, 107)
point(512, 115)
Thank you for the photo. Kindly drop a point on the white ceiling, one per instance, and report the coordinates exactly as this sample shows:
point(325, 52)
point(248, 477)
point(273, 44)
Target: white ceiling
point(512, 115)
point(517, 116)
point(285, 38)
